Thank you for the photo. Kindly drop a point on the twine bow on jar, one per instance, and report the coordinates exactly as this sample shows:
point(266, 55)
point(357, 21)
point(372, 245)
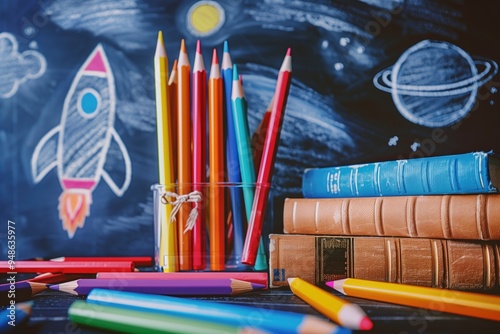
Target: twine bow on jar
point(177, 201)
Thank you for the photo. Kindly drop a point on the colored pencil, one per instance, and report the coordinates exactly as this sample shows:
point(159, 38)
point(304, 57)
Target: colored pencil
point(184, 160)
point(51, 278)
point(216, 159)
point(175, 287)
point(443, 300)
point(64, 267)
point(172, 99)
point(12, 319)
point(259, 135)
point(270, 148)
point(143, 261)
point(232, 160)
point(19, 291)
point(270, 321)
point(242, 132)
point(125, 320)
point(249, 276)
point(167, 233)
point(346, 314)
point(199, 133)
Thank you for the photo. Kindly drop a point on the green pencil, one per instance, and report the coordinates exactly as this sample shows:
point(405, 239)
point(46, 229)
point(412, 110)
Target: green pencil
point(131, 321)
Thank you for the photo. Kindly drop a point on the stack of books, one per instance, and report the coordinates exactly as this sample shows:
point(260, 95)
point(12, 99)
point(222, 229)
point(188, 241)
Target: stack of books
point(432, 221)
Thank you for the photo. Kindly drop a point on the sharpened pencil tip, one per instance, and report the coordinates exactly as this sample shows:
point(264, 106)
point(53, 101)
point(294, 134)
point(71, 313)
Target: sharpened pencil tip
point(215, 59)
point(183, 46)
point(236, 76)
point(226, 47)
point(159, 52)
point(198, 46)
point(289, 52)
point(257, 286)
point(330, 284)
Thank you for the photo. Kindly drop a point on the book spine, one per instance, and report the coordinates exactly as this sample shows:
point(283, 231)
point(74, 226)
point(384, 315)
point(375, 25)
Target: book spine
point(460, 265)
point(452, 174)
point(474, 217)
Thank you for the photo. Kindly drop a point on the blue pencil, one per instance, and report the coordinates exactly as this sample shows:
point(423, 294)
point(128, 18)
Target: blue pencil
point(232, 160)
point(14, 316)
point(272, 321)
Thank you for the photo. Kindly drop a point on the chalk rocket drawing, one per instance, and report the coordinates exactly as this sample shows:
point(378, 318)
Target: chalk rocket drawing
point(78, 146)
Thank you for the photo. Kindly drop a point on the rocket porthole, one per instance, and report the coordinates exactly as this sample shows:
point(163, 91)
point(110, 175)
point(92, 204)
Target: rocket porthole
point(88, 103)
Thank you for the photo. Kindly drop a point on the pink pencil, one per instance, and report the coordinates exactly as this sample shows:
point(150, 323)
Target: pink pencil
point(270, 148)
point(199, 98)
point(253, 277)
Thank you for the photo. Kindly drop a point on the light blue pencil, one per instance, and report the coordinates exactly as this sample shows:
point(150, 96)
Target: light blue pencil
point(232, 160)
point(269, 320)
point(242, 132)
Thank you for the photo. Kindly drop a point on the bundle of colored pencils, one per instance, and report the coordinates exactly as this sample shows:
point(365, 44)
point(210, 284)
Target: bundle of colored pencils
point(191, 111)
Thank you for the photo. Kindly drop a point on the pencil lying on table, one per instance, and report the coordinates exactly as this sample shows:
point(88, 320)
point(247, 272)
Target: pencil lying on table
point(134, 321)
point(175, 287)
point(337, 309)
point(267, 320)
point(137, 260)
point(22, 312)
point(249, 276)
point(470, 304)
point(76, 267)
point(19, 291)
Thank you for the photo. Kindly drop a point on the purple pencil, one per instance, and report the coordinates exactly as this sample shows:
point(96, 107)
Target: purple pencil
point(173, 287)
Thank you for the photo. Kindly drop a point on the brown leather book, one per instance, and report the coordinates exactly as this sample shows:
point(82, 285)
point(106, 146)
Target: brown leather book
point(461, 265)
point(441, 216)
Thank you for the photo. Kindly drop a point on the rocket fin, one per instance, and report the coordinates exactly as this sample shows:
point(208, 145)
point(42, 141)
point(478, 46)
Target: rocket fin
point(45, 155)
point(117, 169)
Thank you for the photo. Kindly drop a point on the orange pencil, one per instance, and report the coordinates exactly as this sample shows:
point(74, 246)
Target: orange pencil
point(270, 148)
point(184, 171)
point(216, 151)
point(199, 134)
point(172, 99)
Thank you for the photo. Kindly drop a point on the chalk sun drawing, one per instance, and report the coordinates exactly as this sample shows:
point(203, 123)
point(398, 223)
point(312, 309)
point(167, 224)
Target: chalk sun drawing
point(78, 146)
point(435, 83)
point(16, 68)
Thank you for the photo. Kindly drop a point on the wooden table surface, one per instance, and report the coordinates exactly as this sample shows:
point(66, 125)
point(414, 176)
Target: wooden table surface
point(50, 315)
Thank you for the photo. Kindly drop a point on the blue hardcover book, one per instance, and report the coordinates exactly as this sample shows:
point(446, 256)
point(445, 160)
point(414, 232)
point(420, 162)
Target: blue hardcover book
point(468, 173)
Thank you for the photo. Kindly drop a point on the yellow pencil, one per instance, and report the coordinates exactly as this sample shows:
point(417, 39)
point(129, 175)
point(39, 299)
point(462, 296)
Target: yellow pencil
point(459, 302)
point(337, 309)
point(167, 256)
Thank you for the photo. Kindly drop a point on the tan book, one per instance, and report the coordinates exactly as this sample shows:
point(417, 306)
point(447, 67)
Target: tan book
point(461, 265)
point(439, 216)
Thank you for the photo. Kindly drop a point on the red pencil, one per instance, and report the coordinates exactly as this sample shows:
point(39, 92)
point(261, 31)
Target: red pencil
point(76, 267)
point(199, 133)
point(249, 276)
point(270, 148)
point(138, 260)
point(51, 278)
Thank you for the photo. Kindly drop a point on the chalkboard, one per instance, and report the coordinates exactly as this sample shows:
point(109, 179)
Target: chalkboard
point(372, 80)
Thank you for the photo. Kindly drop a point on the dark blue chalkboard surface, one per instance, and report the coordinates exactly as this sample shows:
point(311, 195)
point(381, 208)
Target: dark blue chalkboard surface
point(372, 80)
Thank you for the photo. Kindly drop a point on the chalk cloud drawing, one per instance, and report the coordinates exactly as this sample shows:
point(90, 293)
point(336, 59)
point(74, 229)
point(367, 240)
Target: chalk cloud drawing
point(17, 68)
point(435, 83)
point(79, 145)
